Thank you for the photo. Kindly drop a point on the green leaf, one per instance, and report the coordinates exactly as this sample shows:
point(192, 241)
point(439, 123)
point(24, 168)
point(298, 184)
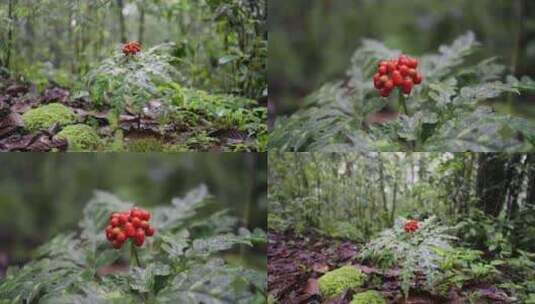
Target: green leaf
point(449, 57)
point(175, 244)
point(142, 279)
point(208, 246)
point(211, 283)
point(484, 91)
point(442, 92)
point(484, 131)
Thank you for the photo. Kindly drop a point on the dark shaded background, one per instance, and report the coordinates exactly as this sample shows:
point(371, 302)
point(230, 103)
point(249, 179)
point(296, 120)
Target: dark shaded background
point(311, 41)
point(43, 194)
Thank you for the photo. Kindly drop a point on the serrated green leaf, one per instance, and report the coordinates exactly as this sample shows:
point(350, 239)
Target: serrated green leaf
point(212, 283)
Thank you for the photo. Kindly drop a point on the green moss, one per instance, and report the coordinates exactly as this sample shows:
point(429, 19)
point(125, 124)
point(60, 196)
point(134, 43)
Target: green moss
point(368, 297)
point(145, 145)
point(45, 116)
point(80, 137)
point(335, 282)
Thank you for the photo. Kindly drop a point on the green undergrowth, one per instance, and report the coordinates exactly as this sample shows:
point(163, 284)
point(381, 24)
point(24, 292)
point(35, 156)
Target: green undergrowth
point(433, 250)
point(133, 82)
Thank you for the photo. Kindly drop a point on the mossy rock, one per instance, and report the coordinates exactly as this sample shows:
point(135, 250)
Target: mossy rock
point(145, 145)
point(335, 282)
point(368, 297)
point(45, 116)
point(80, 137)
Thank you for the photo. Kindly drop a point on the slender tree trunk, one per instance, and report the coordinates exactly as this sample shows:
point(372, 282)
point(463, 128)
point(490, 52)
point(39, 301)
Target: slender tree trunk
point(10, 10)
point(469, 166)
point(382, 182)
point(122, 25)
point(491, 179)
point(394, 197)
point(530, 197)
point(514, 182)
point(141, 23)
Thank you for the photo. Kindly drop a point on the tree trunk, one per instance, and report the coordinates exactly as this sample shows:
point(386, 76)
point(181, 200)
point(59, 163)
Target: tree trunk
point(514, 180)
point(10, 32)
point(530, 197)
point(382, 182)
point(394, 197)
point(141, 23)
point(122, 25)
point(491, 177)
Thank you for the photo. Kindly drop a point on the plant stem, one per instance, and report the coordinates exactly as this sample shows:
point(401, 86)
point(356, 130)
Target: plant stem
point(403, 104)
point(133, 252)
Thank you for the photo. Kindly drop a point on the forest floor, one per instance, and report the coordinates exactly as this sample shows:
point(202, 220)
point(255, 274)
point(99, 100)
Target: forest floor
point(296, 262)
point(192, 130)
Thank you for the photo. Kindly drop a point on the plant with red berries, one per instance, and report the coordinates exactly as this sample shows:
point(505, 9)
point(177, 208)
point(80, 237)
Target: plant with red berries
point(131, 48)
point(411, 245)
point(132, 224)
point(443, 105)
point(399, 72)
point(125, 80)
point(182, 263)
point(410, 226)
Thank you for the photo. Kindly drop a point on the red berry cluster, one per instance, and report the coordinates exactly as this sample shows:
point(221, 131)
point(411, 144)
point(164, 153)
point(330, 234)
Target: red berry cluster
point(132, 224)
point(411, 226)
point(399, 72)
point(132, 47)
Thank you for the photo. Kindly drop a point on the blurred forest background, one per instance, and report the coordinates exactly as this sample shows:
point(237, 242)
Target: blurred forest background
point(221, 45)
point(44, 194)
point(491, 196)
point(311, 41)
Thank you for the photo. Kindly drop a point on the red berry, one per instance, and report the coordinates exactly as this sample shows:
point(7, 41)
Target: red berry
point(139, 242)
point(145, 215)
point(136, 222)
point(403, 60)
point(150, 231)
point(109, 236)
point(382, 62)
point(130, 230)
point(116, 244)
point(412, 63)
point(396, 78)
point(384, 92)
point(116, 231)
point(114, 222)
point(407, 85)
point(418, 78)
point(378, 84)
point(412, 73)
point(383, 79)
point(382, 70)
point(376, 77)
point(391, 67)
point(123, 218)
point(140, 237)
point(404, 70)
point(120, 237)
point(144, 225)
point(389, 85)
